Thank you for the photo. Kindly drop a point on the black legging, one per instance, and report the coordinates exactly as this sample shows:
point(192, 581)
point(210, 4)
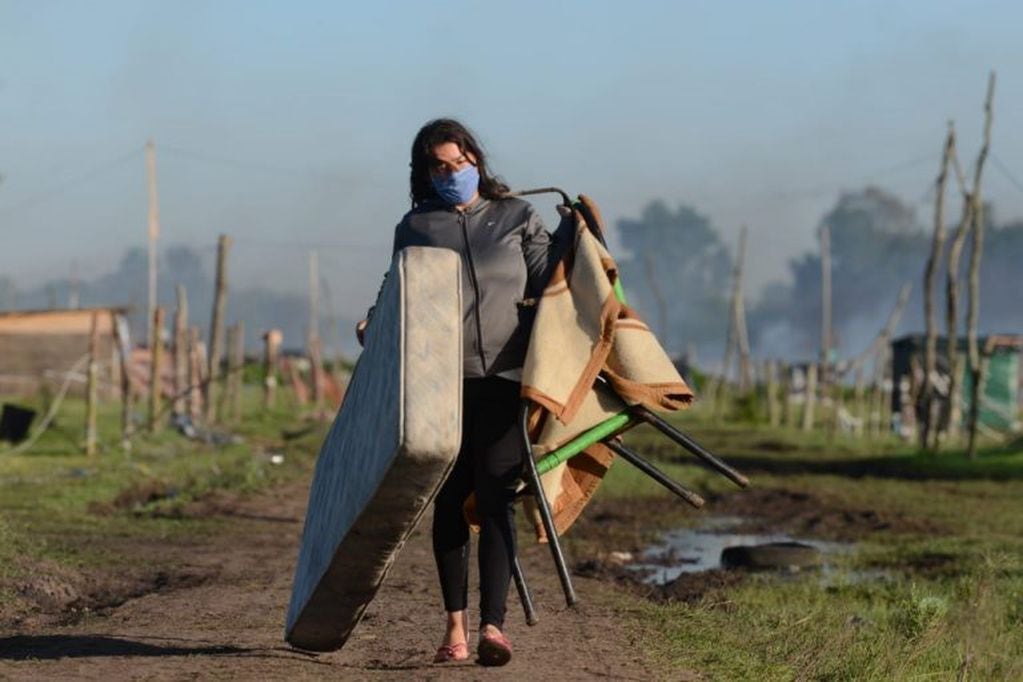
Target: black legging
point(488, 463)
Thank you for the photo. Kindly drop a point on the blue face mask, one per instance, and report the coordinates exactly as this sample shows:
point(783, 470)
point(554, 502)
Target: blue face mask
point(457, 188)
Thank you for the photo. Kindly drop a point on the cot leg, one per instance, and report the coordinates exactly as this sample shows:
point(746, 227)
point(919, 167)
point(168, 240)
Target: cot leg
point(689, 444)
point(524, 596)
point(654, 473)
point(545, 514)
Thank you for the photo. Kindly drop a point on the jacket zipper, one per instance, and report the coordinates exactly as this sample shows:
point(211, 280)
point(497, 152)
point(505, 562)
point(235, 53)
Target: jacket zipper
point(476, 290)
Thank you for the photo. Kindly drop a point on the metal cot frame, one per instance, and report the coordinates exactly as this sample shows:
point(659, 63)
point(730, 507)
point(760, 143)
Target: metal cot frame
point(607, 433)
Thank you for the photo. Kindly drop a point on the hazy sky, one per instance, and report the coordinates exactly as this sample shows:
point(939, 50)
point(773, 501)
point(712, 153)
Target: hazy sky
point(288, 124)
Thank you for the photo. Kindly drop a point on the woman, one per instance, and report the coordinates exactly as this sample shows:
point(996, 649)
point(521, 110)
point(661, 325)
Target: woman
point(507, 255)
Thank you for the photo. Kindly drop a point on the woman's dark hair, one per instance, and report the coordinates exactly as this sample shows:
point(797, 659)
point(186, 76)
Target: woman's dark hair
point(438, 132)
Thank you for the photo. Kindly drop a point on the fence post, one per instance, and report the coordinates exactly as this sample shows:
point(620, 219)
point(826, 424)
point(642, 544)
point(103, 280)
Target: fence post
point(91, 389)
point(810, 400)
point(216, 348)
point(155, 378)
point(272, 344)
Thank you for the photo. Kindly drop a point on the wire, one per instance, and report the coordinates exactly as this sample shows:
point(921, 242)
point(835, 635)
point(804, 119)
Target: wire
point(244, 164)
point(1006, 172)
point(72, 182)
point(821, 190)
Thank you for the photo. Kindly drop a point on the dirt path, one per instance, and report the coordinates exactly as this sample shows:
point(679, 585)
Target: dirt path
point(219, 614)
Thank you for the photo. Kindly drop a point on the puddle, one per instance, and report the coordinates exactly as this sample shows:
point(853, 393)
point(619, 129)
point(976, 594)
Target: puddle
point(693, 550)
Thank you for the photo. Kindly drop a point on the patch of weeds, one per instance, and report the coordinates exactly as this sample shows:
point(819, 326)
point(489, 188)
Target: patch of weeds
point(917, 612)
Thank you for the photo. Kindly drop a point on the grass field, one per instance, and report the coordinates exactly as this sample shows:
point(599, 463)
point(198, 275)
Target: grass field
point(932, 587)
point(936, 595)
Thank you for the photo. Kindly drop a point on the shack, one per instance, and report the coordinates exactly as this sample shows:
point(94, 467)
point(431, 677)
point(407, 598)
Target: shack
point(40, 347)
point(999, 401)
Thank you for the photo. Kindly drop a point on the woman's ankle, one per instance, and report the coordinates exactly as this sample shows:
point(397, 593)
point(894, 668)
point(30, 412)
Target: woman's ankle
point(455, 631)
point(489, 629)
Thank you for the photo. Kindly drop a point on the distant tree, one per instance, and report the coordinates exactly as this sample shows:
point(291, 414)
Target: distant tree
point(675, 262)
point(876, 245)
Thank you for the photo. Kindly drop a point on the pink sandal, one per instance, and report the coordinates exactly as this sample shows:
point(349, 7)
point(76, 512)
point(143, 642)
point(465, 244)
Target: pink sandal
point(452, 652)
point(494, 650)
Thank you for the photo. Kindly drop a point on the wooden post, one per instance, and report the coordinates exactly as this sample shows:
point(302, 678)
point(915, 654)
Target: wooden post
point(837, 404)
point(155, 376)
point(124, 355)
point(825, 377)
point(236, 363)
point(735, 334)
point(195, 374)
point(929, 407)
point(227, 396)
point(773, 409)
point(181, 360)
point(154, 233)
point(272, 345)
point(977, 250)
point(887, 390)
point(810, 397)
point(91, 388)
point(876, 394)
point(788, 411)
point(314, 350)
point(216, 349)
point(861, 409)
point(739, 310)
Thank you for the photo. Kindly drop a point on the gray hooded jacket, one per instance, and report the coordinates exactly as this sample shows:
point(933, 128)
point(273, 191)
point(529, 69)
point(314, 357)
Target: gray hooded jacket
point(507, 257)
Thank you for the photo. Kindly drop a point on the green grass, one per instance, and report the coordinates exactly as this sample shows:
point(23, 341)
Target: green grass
point(902, 605)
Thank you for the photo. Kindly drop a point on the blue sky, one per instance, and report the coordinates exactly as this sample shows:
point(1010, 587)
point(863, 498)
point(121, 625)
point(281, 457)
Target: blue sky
point(288, 124)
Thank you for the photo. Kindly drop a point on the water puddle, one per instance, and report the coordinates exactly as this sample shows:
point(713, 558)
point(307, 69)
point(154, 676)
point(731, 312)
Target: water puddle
point(693, 550)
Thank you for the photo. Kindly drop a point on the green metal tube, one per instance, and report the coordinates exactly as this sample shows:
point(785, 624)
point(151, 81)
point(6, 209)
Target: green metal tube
point(619, 291)
point(584, 440)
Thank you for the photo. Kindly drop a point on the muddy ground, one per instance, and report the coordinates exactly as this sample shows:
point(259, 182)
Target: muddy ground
point(214, 606)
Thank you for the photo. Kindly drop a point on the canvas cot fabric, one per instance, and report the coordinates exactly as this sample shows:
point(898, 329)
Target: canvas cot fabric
point(590, 356)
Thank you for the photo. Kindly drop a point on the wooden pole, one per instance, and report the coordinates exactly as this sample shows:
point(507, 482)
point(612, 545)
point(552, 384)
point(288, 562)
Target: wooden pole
point(861, 409)
point(181, 359)
point(155, 376)
point(810, 397)
point(272, 344)
point(977, 249)
point(887, 390)
point(876, 394)
point(154, 233)
point(825, 377)
point(739, 310)
point(773, 411)
point(124, 354)
point(788, 411)
point(91, 388)
point(236, 364)
point(314, 350)
point(825, 235)
point(929, 407)
point(195, 374)
point(216, 349)
point(732, 338)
